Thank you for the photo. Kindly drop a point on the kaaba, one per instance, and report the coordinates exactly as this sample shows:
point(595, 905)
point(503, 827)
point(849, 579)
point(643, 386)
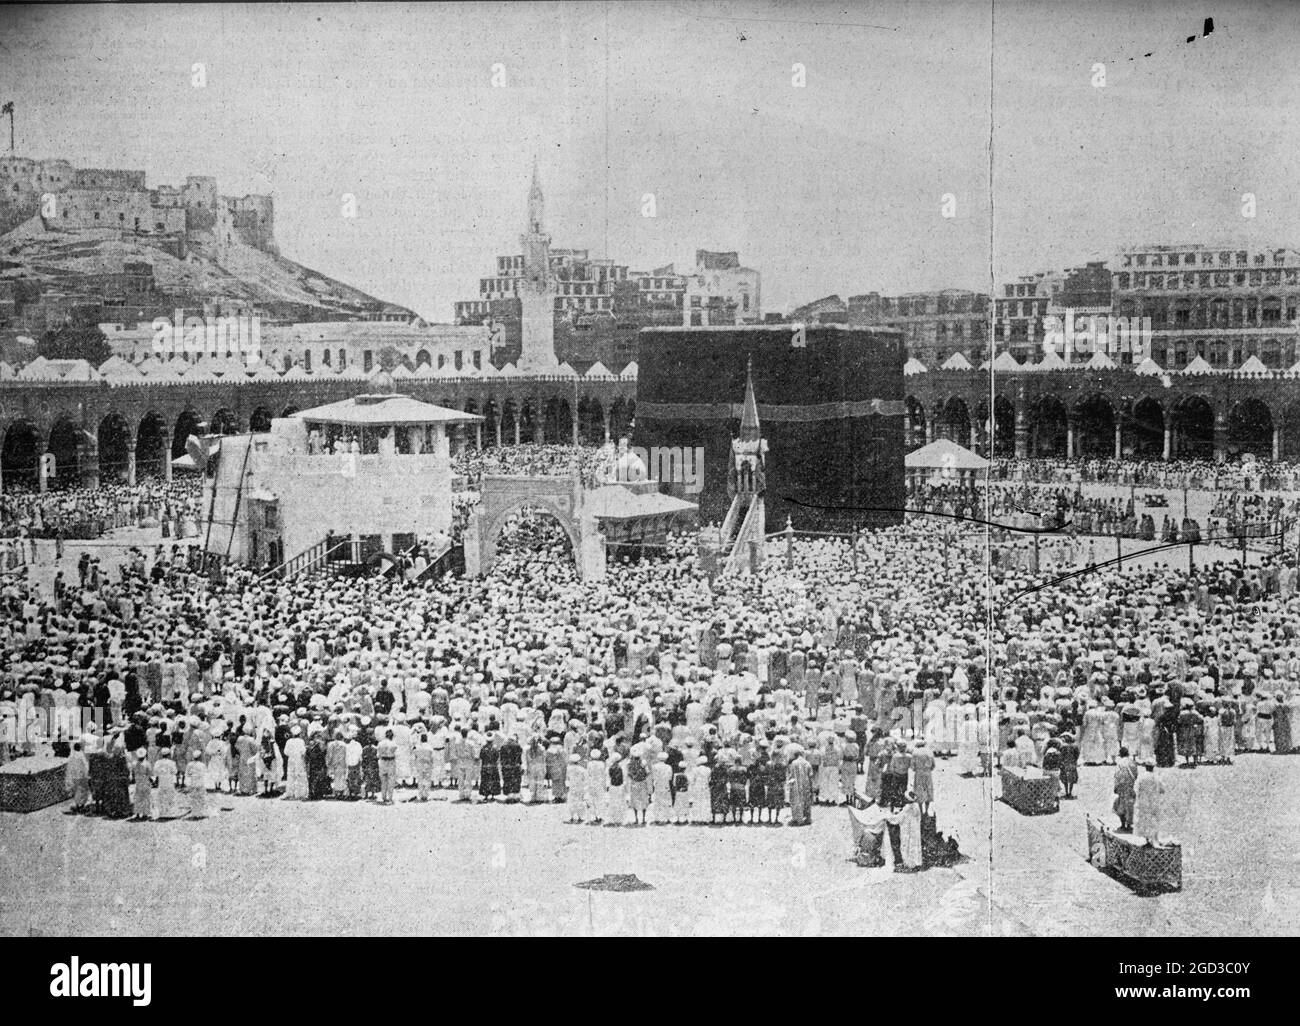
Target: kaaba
point(830, 404)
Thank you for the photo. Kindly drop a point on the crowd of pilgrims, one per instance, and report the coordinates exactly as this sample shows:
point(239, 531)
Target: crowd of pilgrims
point(76, 512)
point(1247, 474)
point(472, 464)
point(1069, 508)
point(656, 695)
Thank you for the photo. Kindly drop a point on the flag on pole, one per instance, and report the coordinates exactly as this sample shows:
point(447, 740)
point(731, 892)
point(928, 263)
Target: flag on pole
point(8, 108)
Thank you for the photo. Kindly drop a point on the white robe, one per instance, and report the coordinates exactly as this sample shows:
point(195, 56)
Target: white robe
point(1146, 808)
point(910, 831)
point(295, 754)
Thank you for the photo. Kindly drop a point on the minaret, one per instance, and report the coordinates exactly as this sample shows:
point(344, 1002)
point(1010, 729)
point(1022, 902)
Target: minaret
point(537, 290)
point(749, 413)
point(536, 203)
point(749, 451)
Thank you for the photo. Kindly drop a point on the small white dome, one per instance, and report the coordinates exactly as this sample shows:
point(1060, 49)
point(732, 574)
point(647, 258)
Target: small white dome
point(629, 467)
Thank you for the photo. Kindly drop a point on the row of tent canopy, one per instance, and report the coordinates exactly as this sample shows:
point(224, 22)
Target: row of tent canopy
point(1251, 367)
point(118, 371)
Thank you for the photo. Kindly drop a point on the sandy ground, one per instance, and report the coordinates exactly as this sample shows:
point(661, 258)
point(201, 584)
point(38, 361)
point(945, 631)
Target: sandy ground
point(264, 867)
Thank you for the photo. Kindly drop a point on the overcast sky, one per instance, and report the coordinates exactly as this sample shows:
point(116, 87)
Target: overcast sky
point(833, 187)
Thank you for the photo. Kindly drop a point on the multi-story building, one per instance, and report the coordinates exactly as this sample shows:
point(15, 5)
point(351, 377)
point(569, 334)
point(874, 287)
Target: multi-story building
point(1219, 303)
point(935, 325)
point(1020, 314)
point(720, 291)
point(600, 305)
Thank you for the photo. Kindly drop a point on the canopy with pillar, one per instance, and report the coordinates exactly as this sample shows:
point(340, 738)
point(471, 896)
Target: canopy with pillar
point(944, 462)
point(385, 423)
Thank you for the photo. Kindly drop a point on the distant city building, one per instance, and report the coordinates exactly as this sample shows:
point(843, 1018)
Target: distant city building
point(935, 325)
point(599, 305)
point(331, 345)
point(1221, 304)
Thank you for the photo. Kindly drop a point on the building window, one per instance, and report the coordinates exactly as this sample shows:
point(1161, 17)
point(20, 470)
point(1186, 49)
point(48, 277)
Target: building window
point(306, 360)
point(367, 360)
point(343, 359)
point(325, 357)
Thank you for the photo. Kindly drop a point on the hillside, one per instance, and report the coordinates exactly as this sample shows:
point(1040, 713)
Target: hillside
point(73, 261)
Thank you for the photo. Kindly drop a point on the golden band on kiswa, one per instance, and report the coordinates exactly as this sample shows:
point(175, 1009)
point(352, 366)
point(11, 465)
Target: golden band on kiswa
point(785, 413)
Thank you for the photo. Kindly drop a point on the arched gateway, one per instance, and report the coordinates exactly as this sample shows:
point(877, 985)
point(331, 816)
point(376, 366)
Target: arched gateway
point(620, 507)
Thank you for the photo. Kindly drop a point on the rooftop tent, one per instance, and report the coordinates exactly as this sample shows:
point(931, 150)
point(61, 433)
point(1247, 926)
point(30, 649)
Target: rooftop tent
point(955, 362)
point(1050, 361)
point(7, 373)
point(913, 366)
point(401, 371)
point(42, 369)
point(1100, 361)
point(34, 370)
point(1006, 362)
point(117, 369)
point(199, 372)
point(166, 370)
point(1198, 366)
point(629, 372)
point(565, 371)
point(1253, 365)
point(1294, 369)
point(296, 373)
point(598, 370)
point(944, 454)
point(1148, 366)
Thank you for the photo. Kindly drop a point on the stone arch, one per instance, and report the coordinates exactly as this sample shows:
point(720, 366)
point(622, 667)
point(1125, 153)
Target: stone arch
point(591, 421)
point(423, 358)
point(116, 447)
point(65, 441)
point(491, 419)
point(1290, 423)
point(620, 418)
point(1048, 426)
point(260, 419)
point(558, 420)
point(1193, 427)
point(955, 421)
point(20, 454)
point(150, 440)
point(1004, 426)
point(1250, 428)
point(914, 433)
point(502, 498)
point(509, 421)
point(528, 420)
point(1094, 426)
point(223, 422)
point(187, 423)
point(1144, 429)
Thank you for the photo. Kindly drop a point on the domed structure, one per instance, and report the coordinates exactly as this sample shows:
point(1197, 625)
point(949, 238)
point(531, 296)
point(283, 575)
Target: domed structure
point(630, 468)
